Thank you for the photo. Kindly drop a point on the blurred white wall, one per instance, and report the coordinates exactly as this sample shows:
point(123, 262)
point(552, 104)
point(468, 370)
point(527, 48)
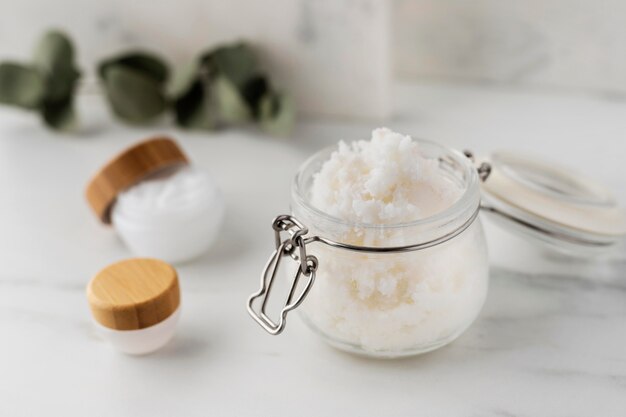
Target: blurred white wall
point(333, 56)
point(573, 44)
point(337, 57)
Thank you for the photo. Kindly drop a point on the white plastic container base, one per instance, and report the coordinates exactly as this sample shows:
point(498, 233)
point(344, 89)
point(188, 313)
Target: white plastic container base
point(175, 216)
point(142, 341)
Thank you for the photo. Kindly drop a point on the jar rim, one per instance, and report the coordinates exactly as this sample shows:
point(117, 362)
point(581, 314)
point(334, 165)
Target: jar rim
point(468, 202)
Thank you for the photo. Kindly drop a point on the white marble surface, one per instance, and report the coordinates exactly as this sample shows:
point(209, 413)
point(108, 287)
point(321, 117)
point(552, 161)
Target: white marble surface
point(551, 340)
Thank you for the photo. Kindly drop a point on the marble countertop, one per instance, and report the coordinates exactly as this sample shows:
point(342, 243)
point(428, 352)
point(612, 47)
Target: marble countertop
point(550, 341)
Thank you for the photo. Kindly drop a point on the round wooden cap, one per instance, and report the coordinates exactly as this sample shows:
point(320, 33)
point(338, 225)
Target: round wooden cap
point(127, 169)
point(134, 294)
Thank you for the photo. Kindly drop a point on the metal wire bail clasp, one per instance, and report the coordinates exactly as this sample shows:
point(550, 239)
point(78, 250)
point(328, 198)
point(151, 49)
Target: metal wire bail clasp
point(293, 246)
point(484, 169)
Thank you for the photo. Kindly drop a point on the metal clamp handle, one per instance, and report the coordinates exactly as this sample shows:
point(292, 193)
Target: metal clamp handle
point(294, 247)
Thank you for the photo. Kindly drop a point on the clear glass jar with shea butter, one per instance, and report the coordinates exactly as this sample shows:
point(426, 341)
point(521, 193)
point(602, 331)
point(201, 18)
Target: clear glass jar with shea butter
point(387, 288)
point(401, 302)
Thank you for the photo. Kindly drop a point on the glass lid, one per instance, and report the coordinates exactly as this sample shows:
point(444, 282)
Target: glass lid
point(552, 203)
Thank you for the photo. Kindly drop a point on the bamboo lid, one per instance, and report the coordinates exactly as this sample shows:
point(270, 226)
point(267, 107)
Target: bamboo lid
point(134, 294)
point(128, 168)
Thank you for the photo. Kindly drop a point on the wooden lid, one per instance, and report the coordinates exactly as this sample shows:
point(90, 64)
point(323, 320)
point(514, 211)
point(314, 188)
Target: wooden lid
point(134, 294)
point(127, 169)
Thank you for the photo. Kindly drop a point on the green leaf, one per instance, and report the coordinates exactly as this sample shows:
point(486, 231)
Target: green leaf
point(135, 84)
point(196, 109)
point(48, 86)
point(233, 109)
point(277, 114)
point(54, 53)
point(183, 80)
point(145, 63)
point(59, 115)
point(54, 57)
point(237, 62)
point(21, 86)
point(61, 85)
point(254, 90)
point(133, 96)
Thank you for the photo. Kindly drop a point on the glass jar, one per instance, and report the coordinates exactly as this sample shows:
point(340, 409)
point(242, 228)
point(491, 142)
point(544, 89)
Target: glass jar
point(382, 290)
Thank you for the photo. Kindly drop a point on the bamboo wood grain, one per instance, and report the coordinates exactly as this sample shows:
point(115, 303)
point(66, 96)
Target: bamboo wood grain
point(128, 168)
point(134, 294)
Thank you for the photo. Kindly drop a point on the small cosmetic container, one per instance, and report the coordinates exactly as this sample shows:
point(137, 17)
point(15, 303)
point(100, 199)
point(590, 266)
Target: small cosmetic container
point(160, 204)
point(135, 304)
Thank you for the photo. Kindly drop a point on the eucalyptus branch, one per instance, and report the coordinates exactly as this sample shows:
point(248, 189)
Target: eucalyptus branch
point(46, 85)
point(222, 87)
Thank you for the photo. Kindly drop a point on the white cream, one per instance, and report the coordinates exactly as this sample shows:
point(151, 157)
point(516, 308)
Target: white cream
point(396, 303)
point(175, 216)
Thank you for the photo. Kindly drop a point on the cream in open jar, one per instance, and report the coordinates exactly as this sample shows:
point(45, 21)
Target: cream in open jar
point(160, 205)
point(401, 262)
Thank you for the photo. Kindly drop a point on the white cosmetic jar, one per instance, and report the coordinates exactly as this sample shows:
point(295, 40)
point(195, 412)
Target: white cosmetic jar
point(135, 304)
point(160, 205)
point(421, 284)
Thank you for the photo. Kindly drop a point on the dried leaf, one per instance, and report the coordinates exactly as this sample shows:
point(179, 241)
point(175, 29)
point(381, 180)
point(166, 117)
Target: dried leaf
point(21, 86)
